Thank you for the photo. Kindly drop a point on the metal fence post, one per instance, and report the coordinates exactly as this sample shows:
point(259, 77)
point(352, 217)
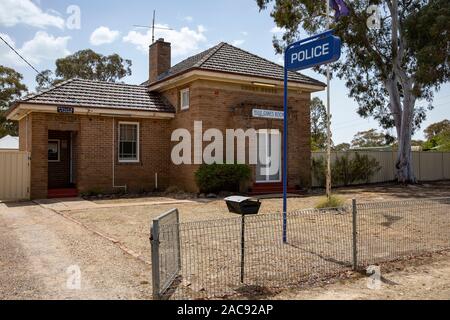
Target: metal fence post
point(179, 239)
point(242, 247)
point(355, 234)
point(154, 240)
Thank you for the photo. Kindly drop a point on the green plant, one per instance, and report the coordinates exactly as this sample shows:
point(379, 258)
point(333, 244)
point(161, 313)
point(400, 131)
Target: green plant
point(345, 170)
point(363, 168)
point(332, 202)
point(221, 177)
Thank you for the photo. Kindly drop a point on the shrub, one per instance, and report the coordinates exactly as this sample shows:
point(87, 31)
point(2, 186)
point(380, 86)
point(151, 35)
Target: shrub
point(332, 202)
point(346, 171)
point(363, 168)
point(221, 177)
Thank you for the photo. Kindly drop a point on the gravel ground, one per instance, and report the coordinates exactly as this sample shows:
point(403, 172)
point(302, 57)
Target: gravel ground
point(429, 280)
point(132, 225)
point(37, 246)
point(319, 243)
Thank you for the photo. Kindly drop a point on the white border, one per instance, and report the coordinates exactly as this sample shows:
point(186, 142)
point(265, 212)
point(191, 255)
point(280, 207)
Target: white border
point(268, 132)
point(181, 99)
point(137, 142)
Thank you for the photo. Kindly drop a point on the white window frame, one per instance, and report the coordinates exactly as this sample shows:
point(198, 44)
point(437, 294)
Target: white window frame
point(181, 99)
point(58, 141)
point(137, 160)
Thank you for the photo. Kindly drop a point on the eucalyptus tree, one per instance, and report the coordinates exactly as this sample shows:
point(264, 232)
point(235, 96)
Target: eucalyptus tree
point(395, 57)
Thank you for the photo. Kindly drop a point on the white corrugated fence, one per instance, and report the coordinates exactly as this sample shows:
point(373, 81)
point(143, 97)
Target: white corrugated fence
point(428, 166)
point(14, 175)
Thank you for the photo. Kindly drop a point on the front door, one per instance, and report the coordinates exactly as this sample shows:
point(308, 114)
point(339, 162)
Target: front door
point(268, 169)
point(60, 164)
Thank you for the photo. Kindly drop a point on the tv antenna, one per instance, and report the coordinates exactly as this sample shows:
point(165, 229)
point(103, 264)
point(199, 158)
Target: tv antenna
point(153, 27)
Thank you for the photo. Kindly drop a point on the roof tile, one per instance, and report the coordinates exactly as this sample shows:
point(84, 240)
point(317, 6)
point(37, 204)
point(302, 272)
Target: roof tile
point(98, 94)
point(227, 58)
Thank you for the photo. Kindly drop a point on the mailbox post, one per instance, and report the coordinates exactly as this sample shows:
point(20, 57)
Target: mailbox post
point(243, 206)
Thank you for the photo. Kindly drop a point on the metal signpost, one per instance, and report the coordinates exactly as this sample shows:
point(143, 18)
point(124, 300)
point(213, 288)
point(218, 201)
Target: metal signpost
point(320, 49)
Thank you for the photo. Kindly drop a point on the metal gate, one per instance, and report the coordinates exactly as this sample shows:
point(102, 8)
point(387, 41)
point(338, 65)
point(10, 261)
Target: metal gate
point(166, 253)
point(14, 175)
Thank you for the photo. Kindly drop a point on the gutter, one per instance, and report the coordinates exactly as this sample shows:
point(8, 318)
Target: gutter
point(14, 113)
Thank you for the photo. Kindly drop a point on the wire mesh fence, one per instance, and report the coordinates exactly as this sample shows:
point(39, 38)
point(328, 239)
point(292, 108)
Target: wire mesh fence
point(247, 255)
point(393, 230)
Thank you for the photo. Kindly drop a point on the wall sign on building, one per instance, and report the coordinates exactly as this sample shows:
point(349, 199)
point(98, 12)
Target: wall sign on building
point(66, 110)
point(268, 114)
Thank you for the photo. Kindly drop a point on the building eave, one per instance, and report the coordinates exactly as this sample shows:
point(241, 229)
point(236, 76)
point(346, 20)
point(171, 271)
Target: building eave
point(202, 74)
point(22, 109)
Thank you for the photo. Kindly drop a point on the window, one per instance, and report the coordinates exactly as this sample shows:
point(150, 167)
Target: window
point(128, 142)
point(184, 97)
point(53, 150)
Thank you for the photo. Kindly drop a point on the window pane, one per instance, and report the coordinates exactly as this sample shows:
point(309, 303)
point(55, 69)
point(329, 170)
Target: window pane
point(128, 151)
point(128, 142)
point(185, 98)
point(53, 151)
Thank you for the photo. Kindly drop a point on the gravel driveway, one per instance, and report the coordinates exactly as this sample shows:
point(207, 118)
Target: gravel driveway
point(37, 246)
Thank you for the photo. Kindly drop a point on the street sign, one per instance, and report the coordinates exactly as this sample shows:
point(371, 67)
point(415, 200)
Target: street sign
point(318, 51)
point(307, 53)
point(268, 114)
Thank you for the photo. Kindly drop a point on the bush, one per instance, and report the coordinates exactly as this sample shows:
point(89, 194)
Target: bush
point(221, 177)
point(333, 202)
point(346, 171)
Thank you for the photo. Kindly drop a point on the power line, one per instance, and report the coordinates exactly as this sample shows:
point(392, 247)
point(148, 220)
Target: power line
point(26, 61)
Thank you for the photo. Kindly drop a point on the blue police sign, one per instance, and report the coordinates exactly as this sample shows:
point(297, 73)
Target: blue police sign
point(308, 53)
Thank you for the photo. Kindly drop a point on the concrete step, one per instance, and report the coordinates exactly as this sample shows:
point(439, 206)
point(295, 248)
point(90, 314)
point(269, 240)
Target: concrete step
point(62, 193)
point(270, 188)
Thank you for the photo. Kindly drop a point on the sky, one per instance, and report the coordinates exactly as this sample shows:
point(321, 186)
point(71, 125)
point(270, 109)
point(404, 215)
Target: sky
point(44, 30)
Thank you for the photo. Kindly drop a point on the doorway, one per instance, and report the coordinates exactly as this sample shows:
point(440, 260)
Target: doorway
point(61, 164)
point(268, 169)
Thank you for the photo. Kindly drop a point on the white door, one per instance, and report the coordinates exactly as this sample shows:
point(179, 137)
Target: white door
point(268, 168)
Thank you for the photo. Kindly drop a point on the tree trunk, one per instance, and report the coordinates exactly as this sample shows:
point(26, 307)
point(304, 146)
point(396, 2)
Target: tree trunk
point(404, 164)
point(403, 112)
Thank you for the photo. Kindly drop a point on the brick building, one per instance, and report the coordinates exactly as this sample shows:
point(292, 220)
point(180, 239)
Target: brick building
point(97, 136)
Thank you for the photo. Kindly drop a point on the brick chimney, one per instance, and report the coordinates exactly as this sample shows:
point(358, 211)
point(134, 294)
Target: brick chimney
point(159, 58)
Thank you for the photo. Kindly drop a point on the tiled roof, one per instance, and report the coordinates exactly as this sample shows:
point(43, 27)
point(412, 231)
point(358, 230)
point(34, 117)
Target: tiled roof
point(98, 94)
point(227, 58)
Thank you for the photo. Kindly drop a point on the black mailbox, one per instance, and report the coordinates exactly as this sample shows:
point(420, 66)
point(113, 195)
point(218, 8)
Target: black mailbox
point(243, 205)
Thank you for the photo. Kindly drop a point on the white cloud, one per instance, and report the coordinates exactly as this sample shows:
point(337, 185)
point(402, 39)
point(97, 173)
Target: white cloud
point(184, 41)
point(7, 57)
point(13, 12)
point(277, 30)
point(238, 43)
point(188, 19)
point(244, 33)
point(280, 60)
point(43, 47)
point(103, 35)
